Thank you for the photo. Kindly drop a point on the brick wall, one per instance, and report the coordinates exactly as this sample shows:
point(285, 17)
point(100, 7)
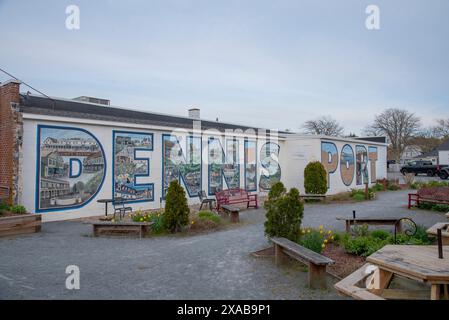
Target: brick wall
point(10, 141)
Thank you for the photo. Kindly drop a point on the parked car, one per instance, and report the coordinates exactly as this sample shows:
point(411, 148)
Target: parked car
point(444, 173)
point(420, 167)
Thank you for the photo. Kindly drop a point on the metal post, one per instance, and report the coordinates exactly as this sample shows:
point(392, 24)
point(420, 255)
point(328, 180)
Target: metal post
point(440, 244)
point(353, 214)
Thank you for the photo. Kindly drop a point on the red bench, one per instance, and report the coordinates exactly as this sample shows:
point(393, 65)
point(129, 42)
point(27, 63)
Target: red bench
point(438, 195)
point(234, 196)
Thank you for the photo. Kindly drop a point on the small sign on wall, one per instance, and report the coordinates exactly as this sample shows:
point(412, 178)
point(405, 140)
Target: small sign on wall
point(444, 157)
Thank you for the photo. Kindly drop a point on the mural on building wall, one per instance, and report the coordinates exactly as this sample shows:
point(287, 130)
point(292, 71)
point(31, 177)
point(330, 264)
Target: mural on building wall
point(347, 164)
point(128, 166)
point(362, 165)
point(215, 164)
point(373, 157)
point(250, 156)
point(223, 165)
point(180, 165)
point(231, 167)
point(70, 168)
point(329, 158)
point(269, 155)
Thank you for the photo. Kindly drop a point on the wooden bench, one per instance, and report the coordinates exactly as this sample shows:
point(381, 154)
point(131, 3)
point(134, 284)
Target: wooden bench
point(432, 231)
point(235, 196)
point(120, 228)
point(313, 197)
point(233, 211)
point(437, 195)
point(316, 262)
point(370, 221)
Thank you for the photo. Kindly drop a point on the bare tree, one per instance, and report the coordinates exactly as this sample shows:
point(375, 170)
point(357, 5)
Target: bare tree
point(442, 128)
point(324, 125)
point(398, 125)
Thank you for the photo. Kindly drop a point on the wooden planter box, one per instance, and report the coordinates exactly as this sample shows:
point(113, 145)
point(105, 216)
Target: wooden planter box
point(20, 224)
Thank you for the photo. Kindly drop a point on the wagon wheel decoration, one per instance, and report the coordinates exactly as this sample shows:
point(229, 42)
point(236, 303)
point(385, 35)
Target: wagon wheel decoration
point(406, 226)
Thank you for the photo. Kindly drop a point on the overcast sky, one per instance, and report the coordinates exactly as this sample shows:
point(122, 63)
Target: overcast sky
point(271, 64)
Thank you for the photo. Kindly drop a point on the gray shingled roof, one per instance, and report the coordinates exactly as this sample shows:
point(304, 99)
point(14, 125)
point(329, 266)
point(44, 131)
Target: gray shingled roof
point(76, 109)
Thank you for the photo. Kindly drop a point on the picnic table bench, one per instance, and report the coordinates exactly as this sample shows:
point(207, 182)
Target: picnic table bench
point(415, 262)
point(444, 226)
point(437, 195)
point(233, 211)
point(371, 221)
point(316, 262)
point(235, 196)
point(313, 196)
point(114, 228)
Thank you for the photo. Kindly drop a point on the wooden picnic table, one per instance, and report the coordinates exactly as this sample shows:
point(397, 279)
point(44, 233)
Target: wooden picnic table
point(370, 221)
point(105, 201)
point(420, 263)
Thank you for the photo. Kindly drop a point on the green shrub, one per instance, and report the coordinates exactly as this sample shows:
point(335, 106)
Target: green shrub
point(18, 209)
point(380, 234)
point(312, 240)
point(364, 246)
point(421, 234)
point(361, 230)
point(176, 207)
point(394, 187)
point(358, 197)
point(316, 239)
point(209, 215)
point(284, 212)
point(425, 205)
point(378, 187)
point(4, 206)
point(315, 178)
point(440, 207)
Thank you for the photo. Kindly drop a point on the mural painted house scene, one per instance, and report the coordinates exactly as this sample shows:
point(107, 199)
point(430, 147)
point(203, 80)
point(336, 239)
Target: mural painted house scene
point(224, 151)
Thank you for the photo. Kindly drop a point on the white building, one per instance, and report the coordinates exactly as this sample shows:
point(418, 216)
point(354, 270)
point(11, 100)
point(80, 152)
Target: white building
point(97, 129)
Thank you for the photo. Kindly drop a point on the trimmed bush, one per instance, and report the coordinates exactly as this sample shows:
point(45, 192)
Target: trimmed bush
point(315, 178)
point(176, 208)
point(284, 213)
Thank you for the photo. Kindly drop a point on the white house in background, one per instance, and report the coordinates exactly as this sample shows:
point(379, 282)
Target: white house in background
point(439, 155)
point(410, 153)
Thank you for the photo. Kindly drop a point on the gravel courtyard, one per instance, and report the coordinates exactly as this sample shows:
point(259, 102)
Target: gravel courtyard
point(209, 266)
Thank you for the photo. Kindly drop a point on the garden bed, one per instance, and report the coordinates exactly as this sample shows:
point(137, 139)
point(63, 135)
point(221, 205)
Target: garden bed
point(14, 224)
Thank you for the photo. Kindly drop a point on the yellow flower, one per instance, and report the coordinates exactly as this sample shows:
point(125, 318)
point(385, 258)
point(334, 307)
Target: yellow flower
point(141, 219)
point(308, 230)
point(329, 232)
point(321, 227)
point(303, 231)
point(325, 241)
point(332, 237)
point(321, 231)
point(323, 245)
